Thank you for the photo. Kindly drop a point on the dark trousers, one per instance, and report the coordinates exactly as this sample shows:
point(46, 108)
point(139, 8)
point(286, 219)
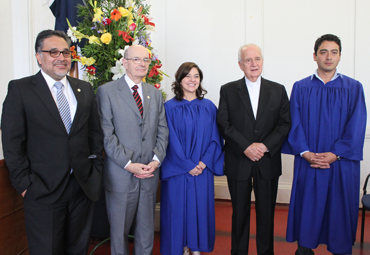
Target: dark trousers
point(307, 251)
point(265, 193)
point(60, 228)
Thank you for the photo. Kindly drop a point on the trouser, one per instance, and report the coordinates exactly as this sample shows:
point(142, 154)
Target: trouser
point(62, 227)
point(265, 193)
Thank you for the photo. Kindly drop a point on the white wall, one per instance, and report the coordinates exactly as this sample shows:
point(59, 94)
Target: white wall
point(209, 32)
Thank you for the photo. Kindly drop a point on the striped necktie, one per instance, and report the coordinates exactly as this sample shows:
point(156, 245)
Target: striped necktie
point(137, 99)
point(63, 106)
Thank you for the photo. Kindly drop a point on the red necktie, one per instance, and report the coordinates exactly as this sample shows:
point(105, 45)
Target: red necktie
point(137, 99)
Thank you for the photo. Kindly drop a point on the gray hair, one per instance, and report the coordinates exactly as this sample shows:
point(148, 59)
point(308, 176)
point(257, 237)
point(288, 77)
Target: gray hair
point(247, 46)
point(49, 33)
point(46, 34)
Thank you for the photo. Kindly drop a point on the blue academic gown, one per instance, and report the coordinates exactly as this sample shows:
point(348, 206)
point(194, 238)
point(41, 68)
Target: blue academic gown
point(187, 202)
point(324, 203)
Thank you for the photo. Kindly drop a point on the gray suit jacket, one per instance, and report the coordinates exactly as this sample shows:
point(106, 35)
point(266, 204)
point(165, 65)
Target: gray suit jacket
point(127, 136)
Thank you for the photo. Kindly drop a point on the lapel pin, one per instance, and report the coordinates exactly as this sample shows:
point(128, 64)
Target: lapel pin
point(148, 97)
point(78, 90)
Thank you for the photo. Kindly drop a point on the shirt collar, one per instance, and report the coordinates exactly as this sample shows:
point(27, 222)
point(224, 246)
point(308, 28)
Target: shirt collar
point(50, 81)
point(336, 75)
point(249, 83)
point(130, 83)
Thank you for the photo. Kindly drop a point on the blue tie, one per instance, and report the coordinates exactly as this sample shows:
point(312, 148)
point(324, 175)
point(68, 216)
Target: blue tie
point(63, 106)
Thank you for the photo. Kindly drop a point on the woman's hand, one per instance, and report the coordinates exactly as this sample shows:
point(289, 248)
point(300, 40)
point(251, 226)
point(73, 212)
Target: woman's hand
point(198, 169)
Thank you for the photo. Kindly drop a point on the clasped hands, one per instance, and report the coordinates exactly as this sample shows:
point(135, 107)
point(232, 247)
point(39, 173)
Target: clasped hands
point(255, 151)
point(142, 171)
point(320, 160)
point(198, 169)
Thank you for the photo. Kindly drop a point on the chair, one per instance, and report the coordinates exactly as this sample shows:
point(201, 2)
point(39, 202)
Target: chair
point(365, 205)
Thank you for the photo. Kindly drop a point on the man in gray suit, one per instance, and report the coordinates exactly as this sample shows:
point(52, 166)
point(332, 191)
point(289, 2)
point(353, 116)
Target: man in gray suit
point(135, 141)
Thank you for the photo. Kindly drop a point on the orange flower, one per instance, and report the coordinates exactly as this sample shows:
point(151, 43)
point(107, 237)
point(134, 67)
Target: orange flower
point(115, 15)
point(125, 36)
point(146, 21)
point(154, 71)
point(74, 53)
point(140, 10)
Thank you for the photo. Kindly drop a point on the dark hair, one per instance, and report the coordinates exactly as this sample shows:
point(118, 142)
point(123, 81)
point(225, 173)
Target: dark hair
point(49, 33)
point(183, 70)
point(327, 37)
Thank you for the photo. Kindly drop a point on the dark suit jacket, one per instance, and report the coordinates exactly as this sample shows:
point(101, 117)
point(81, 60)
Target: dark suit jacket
point(37, 149)
point(240, 129)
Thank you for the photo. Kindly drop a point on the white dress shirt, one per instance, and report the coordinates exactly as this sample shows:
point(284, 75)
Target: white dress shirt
point(67, 91)
point(254, 93)
point(336, 75)
point(130, 84)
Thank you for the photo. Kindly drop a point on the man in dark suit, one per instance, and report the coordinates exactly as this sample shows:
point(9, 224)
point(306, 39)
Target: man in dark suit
point(254, 119)
point(53, 143)
point(135, 141)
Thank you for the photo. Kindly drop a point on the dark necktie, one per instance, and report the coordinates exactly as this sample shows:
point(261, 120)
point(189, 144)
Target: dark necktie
point(63, 106)
point(138, 99)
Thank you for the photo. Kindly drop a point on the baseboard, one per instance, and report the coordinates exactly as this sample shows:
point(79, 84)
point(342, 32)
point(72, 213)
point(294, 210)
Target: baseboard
point(222, 190)
point(157, 217)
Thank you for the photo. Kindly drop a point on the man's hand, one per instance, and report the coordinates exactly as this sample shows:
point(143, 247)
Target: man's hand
point(24, 193)
point(154, 164)
point(140, 170)
point(320, 160)
point(255, 151)
point(323, 160)
point(309, 156)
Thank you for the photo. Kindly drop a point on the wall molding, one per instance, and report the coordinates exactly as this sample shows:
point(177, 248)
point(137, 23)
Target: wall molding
point(222, 190)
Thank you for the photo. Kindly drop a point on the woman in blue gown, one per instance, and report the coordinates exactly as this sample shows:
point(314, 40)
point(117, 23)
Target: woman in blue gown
point(194, 156)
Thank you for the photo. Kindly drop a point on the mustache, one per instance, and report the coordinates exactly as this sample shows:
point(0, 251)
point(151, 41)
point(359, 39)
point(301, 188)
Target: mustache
point(60, 62)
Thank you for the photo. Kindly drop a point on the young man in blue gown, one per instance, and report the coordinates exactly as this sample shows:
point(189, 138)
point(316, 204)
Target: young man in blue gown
point(327, 136)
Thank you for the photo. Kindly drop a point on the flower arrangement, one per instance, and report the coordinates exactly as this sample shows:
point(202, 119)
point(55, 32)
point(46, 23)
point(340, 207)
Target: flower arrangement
point(108, 28)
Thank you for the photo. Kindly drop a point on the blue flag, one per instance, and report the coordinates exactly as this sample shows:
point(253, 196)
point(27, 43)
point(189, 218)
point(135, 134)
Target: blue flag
point(63, 9)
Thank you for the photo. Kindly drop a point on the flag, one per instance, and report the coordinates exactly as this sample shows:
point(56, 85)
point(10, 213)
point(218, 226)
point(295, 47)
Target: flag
point(63, 9)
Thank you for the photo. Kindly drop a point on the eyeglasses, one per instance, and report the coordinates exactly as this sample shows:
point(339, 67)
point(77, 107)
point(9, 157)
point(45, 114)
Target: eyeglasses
point(146, 61)
point(56, 53)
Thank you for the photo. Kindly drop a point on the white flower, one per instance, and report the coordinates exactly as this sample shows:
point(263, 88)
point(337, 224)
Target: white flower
point(71, 34)
point(89, 78)
point(122, 52)
point(118, 70)
point(129, 3)
point(136, 41)
point(150, 28)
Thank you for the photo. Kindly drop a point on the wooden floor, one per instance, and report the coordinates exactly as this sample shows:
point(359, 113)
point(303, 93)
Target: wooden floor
point(223, 232)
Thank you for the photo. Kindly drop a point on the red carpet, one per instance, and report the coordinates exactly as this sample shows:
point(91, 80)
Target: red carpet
point(223, 233)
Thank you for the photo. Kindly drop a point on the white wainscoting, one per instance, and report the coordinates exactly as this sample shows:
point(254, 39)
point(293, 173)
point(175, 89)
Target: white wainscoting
point(285, 181)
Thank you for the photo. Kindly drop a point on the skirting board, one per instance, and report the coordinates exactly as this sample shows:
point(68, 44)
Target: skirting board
point(222, 190)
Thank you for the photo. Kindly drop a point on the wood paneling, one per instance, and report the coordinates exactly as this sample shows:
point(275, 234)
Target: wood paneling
point(13, 240)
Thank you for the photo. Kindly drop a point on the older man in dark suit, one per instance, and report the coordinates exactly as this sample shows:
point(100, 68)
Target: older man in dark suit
point(254, 119)
point(53, 143)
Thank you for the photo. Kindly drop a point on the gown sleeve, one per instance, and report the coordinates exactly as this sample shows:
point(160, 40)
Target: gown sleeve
point(213, 156)
point(175, 162)
point(296, 141)
point(350, 145)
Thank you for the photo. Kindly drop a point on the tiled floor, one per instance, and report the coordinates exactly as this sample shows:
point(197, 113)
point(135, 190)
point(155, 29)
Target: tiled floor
point(223, 229)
